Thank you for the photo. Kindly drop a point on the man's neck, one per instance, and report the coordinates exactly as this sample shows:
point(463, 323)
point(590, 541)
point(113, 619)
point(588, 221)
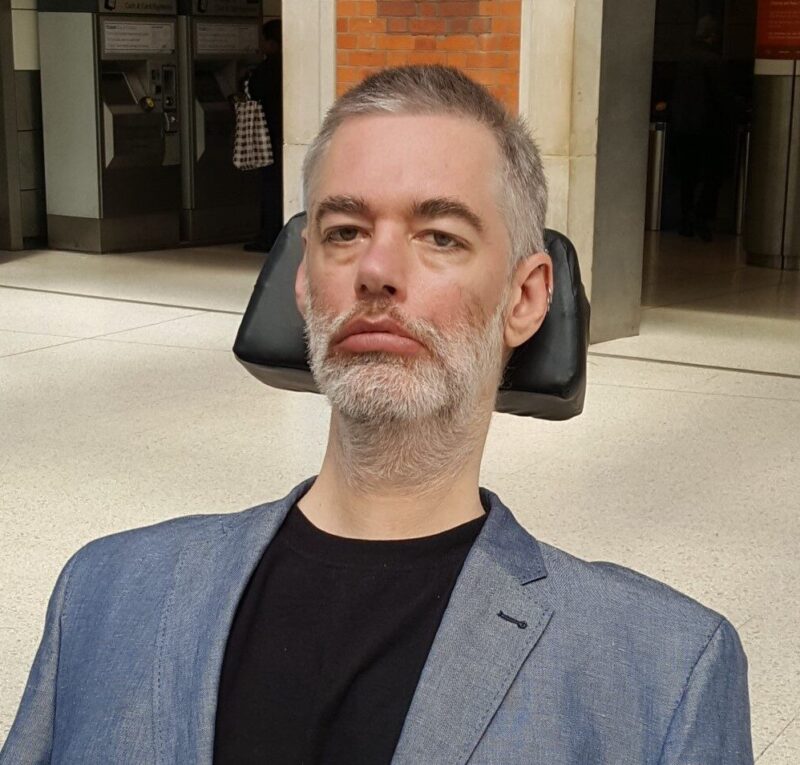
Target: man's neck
point(397, 482)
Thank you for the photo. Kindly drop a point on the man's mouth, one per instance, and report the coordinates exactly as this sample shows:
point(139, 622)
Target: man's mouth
point(381, 335)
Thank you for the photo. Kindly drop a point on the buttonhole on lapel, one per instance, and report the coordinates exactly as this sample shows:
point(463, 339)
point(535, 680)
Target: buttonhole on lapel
point(521, 625)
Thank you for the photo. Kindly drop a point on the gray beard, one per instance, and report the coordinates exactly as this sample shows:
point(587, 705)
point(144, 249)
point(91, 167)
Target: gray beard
point(409, 424)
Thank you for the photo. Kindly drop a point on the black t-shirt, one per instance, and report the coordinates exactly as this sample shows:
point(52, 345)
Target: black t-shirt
point(328, 643)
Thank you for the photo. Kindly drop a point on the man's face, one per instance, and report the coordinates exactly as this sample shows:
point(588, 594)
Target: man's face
point(407, 266)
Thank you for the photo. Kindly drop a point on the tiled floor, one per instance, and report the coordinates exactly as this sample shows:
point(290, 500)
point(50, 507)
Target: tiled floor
point(704, 305)
point(122, 405)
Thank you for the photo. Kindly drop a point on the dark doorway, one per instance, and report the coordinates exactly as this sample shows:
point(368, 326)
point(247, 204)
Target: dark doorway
point(702, 93)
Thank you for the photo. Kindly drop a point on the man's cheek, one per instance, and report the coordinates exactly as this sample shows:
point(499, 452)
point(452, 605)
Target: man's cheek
point(453, 305)
point(319, 299)
point(331, 298)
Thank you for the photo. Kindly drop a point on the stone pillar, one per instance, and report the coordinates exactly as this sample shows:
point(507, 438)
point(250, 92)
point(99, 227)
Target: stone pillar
point(309, 40)
point(623, 120)
point(559, 91)
point(585, 89)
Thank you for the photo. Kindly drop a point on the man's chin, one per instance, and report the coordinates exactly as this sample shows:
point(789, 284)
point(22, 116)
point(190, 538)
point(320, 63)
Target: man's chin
point(384, 389)
point(344, 360)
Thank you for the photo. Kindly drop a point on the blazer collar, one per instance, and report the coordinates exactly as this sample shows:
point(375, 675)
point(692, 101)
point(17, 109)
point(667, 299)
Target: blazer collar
point(477, 653)
point(474, 658)
point(211, 574)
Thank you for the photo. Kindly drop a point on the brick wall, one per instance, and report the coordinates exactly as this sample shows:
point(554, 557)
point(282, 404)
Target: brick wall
point(479, 36)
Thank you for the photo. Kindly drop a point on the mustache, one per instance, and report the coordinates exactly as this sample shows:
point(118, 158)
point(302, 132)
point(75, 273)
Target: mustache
point(424, 332)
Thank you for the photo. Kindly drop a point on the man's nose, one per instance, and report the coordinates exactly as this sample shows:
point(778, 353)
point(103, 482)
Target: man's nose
point(382, 268)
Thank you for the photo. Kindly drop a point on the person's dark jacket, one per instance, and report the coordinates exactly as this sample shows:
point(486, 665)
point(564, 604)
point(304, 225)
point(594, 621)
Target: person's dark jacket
point(265, 84)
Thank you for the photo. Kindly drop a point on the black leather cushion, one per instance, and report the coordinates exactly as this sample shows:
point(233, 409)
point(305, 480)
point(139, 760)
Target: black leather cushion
point(545, 377)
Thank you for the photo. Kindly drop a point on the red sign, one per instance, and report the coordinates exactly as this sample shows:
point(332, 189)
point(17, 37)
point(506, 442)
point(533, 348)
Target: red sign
point(778, 31)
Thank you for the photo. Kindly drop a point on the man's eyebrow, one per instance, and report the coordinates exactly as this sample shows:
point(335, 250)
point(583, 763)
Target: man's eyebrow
point(341, 203)
point(439, 207)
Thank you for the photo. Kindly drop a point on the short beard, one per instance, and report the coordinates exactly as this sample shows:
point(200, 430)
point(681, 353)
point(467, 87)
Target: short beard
point(408, 422)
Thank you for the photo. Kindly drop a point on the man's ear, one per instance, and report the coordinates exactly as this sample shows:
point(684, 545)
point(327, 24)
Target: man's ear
point(531, 293)
point(300, 281)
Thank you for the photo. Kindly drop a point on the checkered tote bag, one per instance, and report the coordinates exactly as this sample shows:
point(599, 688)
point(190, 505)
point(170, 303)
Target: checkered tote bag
point(252, 147)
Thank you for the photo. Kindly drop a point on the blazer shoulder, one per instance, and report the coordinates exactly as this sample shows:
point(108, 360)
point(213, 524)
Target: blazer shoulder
point(149, 553)
point(167, 535)
point(632, 603)
point(161, 537)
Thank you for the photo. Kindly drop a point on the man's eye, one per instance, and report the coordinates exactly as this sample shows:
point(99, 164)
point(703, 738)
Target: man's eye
point(342, 235)
point(442, 240)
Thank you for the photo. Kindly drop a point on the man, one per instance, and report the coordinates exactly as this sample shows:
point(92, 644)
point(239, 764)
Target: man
point(389, 610)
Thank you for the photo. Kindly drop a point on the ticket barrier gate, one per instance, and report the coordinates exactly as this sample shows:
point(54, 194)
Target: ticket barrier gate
point(219, 44)
point(110, 114)
point(772, 211)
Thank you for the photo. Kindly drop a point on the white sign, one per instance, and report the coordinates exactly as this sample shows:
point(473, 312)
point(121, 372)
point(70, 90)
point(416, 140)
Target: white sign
point(226, 38)
point(138, 37)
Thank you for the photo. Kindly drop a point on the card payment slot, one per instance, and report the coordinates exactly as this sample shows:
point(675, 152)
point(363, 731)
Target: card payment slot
point(169, 83)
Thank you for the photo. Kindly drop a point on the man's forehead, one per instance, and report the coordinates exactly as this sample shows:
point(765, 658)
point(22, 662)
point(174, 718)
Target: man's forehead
point(413, 156)
point(422, 127)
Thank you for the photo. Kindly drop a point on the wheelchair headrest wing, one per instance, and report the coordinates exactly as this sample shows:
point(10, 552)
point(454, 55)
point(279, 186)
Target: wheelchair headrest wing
point(545, 377)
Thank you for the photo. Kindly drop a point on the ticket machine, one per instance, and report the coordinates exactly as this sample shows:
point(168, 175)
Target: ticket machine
point(110, 109)
point(219, 45)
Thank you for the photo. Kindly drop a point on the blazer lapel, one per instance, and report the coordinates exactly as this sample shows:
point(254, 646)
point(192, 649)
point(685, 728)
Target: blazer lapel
point(210, 576)
point(477, 653)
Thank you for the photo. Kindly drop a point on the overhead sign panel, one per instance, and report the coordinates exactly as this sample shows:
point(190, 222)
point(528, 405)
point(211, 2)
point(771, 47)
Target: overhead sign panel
point(778, 29)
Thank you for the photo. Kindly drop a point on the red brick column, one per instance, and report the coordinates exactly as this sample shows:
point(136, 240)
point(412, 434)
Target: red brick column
point(479, 36)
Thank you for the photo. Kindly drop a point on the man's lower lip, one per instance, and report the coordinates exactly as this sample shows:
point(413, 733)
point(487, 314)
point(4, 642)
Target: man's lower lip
point(386, 342)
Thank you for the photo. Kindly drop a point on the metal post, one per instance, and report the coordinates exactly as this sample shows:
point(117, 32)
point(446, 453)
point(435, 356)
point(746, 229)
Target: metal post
point(655, 175)
point(742, 169)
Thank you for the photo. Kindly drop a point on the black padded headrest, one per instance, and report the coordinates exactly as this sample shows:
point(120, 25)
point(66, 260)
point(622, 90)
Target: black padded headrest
point(545, 377)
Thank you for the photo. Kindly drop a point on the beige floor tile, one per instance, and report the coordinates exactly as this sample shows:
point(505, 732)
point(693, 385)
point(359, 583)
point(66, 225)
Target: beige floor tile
point(46, 313)
point(671, 376)
point(784, 751)
point(668, 250)
point(209, 331)
point(776, 301)
point(219, 278)
point(12, 343)
point(705, 333)
point(679, 270)
point(678, 286)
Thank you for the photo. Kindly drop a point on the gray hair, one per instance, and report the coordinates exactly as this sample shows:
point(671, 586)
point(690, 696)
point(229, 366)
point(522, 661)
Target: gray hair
point(436, 89)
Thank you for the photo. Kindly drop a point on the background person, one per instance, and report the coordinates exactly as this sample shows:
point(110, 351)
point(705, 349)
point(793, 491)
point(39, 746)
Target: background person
point(266, 85)
point(703, 128)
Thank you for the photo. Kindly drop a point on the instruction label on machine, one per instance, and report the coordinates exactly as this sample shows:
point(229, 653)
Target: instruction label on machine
point(227, 38)
point(138, 37)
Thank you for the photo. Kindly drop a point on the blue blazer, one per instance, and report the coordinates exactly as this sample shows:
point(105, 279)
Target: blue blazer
point(601, 666)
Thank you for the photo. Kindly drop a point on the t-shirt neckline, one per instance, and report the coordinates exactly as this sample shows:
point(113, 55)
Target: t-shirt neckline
point(301, 535)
